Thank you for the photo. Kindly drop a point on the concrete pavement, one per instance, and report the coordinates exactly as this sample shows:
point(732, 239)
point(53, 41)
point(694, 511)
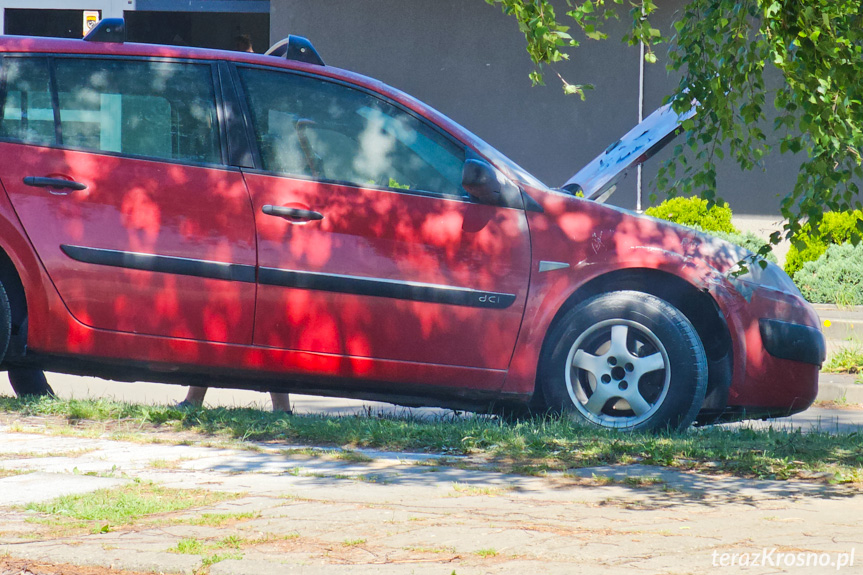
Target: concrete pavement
point(401, 514)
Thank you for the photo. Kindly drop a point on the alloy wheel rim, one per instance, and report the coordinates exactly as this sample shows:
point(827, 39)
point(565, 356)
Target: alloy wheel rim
point(617, 373)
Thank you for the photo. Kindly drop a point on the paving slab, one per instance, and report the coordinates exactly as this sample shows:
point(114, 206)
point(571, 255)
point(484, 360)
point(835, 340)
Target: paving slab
point(396, 515)
point(44, 486)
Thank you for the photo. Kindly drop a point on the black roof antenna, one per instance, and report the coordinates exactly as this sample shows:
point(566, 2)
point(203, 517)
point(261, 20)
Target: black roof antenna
point(296, 48)
point(111, 30)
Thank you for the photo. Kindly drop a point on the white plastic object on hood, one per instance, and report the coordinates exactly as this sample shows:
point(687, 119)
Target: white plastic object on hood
point(597, 180)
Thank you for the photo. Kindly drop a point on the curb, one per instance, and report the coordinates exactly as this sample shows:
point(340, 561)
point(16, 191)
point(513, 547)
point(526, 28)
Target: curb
point(830, 308)
point(841, 323)
point(840, 387)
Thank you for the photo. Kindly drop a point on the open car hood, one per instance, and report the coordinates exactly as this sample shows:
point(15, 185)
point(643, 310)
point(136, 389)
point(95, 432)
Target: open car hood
point(598, 179)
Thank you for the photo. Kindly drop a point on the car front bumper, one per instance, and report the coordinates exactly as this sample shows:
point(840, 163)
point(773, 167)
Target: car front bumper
point(779, 349)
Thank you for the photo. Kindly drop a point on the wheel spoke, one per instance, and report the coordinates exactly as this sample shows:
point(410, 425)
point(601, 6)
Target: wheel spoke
point(588, 362)
point(650, 363)
point(637, 402)
point(619, 335)
point(597, 401)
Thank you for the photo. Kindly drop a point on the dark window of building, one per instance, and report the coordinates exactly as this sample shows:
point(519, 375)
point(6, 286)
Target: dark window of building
point(200, 29)
point(44, 22)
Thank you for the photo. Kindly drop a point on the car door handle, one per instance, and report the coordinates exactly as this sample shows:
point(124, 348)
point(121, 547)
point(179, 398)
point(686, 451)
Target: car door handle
point(58, 183)
point(292, 213)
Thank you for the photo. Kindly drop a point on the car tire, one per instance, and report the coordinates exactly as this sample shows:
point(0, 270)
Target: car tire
point(625, 360)
point(5, 323)
point(29, 381)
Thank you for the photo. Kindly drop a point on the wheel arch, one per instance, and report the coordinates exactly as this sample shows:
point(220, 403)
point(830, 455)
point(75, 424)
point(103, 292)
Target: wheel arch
point(11, 281)
point(697, 305)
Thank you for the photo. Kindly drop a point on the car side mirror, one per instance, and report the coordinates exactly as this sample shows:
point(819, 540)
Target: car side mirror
point(481, 180)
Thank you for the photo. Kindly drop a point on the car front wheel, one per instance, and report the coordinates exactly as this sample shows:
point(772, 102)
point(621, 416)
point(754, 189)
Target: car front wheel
point(625, 360)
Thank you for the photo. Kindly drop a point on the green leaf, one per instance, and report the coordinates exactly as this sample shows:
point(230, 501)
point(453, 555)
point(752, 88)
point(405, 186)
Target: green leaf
point(719, 50)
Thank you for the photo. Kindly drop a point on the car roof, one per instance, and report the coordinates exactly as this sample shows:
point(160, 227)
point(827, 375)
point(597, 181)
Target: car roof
point(29, 44)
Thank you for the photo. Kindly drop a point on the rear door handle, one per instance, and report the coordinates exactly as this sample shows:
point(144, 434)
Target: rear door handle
point(58, 183)
point(292, 213)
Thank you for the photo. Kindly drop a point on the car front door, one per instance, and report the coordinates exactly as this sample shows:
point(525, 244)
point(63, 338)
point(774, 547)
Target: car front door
point(114, 167)
point(368, 247)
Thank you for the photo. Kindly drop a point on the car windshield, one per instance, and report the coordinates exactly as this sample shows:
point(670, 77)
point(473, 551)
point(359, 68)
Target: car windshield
point(522, 175)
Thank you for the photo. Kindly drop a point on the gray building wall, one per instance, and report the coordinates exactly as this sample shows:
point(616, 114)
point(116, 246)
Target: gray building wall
point(467, 59)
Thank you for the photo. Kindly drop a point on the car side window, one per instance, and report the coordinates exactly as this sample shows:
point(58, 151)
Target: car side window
point(137, 107)
point(326, 131)
point(28, 115)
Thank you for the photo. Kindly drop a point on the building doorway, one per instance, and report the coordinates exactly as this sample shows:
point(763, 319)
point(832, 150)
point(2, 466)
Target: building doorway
point(202, 29)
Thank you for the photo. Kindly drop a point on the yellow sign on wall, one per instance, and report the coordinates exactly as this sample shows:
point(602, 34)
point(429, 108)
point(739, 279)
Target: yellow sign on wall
point(91, 18)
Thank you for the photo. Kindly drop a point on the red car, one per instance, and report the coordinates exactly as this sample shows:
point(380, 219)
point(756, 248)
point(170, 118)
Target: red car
point(268, 222)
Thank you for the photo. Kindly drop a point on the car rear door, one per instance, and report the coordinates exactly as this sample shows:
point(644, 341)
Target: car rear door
point(115, 168)
point(368, 247)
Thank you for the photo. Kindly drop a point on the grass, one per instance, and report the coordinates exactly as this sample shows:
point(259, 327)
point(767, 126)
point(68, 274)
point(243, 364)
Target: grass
point(215, 551)
point(847, 359)
point(165, 464)
point(353, 542)
point(210, 560)
point(462, 490)
point(436, 550)
point(10, 472)
point(352, 456)
point(348, 455)
point(642, 480)
point(71, 453)
point(531, 447)
point(188, 546)
point(123, 505)
point(193, 546)
point(486, 553)
point(222, 519)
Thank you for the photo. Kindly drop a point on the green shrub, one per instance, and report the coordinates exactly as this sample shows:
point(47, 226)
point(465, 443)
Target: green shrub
point(836, 277)
point(693, 212)
point(716, 221)
point(835, 228)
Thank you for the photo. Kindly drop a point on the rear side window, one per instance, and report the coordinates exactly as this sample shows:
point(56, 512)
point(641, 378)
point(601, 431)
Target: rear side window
point(154, 109)
point(133, 107)
point(28, 115)
point(327, 131)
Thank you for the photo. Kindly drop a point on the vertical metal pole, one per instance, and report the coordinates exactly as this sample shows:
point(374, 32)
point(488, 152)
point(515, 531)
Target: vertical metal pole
point(638, 206)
